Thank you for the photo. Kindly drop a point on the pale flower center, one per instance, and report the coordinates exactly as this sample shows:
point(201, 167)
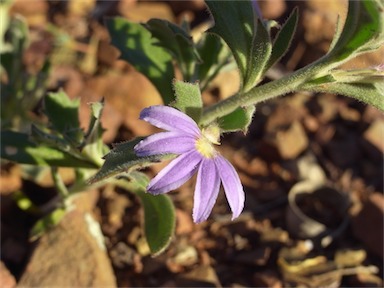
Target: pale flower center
point(204, 144)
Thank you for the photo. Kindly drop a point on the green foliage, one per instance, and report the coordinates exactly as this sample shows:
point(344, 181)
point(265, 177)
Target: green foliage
point(178, 42)
point(188, 99)
point(21, 91)
point(215, 55)
point(246, 36)
point(369, 93)
point(240, 119)
point(159, 213)
point(122, 159)
point(47, 222)
point(362, 32)
point(62, 113)
point(159, 221)
point(283, 39)
point(19, 148)
point(136, 46)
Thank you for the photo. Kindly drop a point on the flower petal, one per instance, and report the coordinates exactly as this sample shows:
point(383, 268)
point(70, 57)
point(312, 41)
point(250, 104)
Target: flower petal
point(232, 185)
point(170, 119)
point(165, 142)
point(175, 174)
point(206, 191)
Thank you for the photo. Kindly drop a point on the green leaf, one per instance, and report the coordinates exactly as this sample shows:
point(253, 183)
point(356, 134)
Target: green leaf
point(369, 93)
point(188, 99)
point(159, 221)
point(363, 31)
point(178, 42)
point(47, 222)
point(246, 36)
point(240, 119)
point(93, 145)
point(122, 159)
point(136, 46)
point(215, 55)
point(63, 112)
point(159, 213)
point(283, 39)
point(17, 147)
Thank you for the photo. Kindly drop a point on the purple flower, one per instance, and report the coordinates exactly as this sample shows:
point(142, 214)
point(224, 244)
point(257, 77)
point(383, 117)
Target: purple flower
point(196, 154)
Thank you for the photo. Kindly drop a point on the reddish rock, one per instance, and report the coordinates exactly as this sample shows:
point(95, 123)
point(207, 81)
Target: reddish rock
point(368, 224)
point(374, 135)
point(291, 142)
point(6, 278)
point(70, 255)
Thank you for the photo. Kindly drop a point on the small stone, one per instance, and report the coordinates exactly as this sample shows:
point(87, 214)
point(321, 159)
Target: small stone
point(267, 279)
point(7, 280)
point(374, 135)
point(258, 257)
point(201, 276)
point(184, 224)
point(292, 142)
point(72, 255)
point(371, 235)
point(272, 9)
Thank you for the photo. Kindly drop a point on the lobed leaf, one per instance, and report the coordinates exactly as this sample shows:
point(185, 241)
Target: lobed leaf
point(188, 99)
point(63, 112)
point(122, 159)
point(240, 119)
point(136, 46)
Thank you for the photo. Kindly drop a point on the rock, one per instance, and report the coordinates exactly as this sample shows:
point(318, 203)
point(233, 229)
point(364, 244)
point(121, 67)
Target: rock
point(10, 178)
point(34, 12)
point(184, 222)
point(72, 254)
point(6, 278)
point(367, 225)
point(291, 142)
point(373, 138)
point(201, 276)
point(344, 152)
point(258, 257)
point(267, 279)
point(272, 9)
point(142, 12)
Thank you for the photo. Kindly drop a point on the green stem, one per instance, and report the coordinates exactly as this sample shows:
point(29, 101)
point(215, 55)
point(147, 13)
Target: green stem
point(60, 186)
point(267, 91)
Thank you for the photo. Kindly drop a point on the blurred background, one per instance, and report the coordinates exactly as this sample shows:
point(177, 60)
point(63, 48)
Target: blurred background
point(286, 236)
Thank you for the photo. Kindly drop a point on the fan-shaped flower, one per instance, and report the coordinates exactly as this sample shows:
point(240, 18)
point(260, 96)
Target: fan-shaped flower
point(196, 152)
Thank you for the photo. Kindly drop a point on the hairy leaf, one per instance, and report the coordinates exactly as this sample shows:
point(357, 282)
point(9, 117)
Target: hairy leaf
point(188, 99)
point(240, 119)
point(178, 42)
point(159, 213)
point(136, 46)
point(246, 36)
point(63, 112)
point(363, 31)
point(122, 159)
point(283, 39)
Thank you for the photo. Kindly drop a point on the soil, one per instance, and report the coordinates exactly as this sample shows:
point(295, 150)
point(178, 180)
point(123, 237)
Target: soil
point(332, 137)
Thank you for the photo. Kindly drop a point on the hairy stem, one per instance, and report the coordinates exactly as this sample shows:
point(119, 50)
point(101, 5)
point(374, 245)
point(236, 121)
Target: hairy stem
point(267, 91)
